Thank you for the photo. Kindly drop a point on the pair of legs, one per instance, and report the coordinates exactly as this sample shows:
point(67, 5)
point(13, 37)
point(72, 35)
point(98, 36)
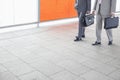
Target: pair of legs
point(99, 24)
point(81, 28)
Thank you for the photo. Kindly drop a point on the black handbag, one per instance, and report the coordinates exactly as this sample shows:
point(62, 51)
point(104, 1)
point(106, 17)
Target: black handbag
point(88, 20)
point(111, 22)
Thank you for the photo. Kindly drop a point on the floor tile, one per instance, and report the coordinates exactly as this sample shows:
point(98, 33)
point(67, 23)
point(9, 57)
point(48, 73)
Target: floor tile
point(115, 63)
point(95, 76)
point(48, 68)
point(18, 67)
point(2, 68)
point(64, 76)
point(74, 67)
point(115, 75)
point(7, 76)
point(6, 57)
point(34, 76)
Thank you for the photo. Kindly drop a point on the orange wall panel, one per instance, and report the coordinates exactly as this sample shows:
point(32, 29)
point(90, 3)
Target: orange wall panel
point(72, 10)
point(56, 9)
point(62, 8)
point(47, 9)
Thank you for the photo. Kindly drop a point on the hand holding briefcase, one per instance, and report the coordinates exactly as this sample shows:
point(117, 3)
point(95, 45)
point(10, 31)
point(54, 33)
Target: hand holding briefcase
point(88, 20)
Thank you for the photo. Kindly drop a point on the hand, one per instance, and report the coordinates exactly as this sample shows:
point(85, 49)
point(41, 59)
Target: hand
point(88, 12)
point(76, 6)
point(93, 12)
point(112, 14)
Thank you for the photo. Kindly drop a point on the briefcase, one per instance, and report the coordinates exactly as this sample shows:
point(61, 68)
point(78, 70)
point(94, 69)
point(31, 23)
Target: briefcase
point(88, 20)
point(111, 22)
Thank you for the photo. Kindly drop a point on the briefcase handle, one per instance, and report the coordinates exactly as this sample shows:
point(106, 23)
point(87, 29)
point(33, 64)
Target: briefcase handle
point(111, 17)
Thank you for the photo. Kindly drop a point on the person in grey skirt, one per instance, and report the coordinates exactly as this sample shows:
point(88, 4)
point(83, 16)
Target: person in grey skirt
point(82, 7)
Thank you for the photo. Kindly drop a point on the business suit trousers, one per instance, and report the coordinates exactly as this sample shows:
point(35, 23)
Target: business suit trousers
point(99, 24)
point(81, 28)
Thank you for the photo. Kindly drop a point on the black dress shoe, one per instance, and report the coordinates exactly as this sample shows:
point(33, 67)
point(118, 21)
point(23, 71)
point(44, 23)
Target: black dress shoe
point(83, 36)
point(96, 43)
point(77, 39)
point(110, 43)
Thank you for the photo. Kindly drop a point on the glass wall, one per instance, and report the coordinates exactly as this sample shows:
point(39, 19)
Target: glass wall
point(14, 12)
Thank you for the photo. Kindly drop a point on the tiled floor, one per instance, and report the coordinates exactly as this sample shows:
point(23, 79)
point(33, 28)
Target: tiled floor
point(51, 54)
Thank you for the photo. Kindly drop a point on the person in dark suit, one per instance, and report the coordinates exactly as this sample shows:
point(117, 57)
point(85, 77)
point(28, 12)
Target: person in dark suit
point(83, 7)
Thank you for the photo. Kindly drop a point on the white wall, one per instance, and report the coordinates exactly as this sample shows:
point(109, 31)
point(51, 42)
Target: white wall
point(93, 1)
point(118, 5)
point(25, 11)
point(14, 12)
point(6, 12)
